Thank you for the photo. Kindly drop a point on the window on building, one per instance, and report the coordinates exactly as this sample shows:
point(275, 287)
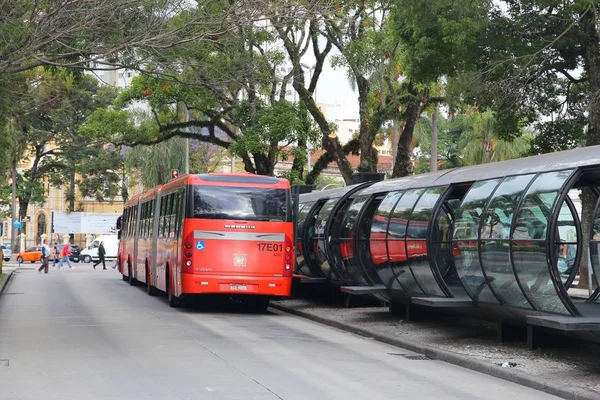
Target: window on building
point(41, 224)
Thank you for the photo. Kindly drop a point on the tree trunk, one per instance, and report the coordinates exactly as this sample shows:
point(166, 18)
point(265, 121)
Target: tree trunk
point(71, 196)
point(403, 165)
point(592, 69)
point(264, 166)
point(395, 139)
point(434, 137)
point(298, 165)
point(366, 138)
point(13, 209)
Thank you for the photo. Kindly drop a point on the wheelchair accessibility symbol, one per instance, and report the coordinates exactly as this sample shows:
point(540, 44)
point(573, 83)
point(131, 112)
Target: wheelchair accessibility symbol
point(199, 245)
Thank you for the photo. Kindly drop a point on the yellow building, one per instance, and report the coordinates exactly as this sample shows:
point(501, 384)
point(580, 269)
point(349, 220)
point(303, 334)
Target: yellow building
point(56, 201)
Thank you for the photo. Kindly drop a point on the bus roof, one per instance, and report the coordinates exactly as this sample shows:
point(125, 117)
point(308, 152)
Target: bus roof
point(212, 180)
point(227, 180)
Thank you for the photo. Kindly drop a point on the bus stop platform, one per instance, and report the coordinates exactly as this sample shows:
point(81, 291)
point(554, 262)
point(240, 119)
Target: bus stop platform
point(444, 302)
point(364, 290)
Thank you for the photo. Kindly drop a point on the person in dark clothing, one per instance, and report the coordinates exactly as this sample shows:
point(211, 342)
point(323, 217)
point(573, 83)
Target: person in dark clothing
point(101, 253)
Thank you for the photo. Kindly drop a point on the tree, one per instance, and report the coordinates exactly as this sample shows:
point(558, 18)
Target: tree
point(360, 31)
point(438, 39)
point(298, 36)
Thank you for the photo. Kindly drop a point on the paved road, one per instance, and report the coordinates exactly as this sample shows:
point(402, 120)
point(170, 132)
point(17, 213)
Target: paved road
point(85, 334)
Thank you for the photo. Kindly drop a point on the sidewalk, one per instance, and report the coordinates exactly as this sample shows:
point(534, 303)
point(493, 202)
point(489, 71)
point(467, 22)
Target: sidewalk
point(571, 373)
point(7, 271)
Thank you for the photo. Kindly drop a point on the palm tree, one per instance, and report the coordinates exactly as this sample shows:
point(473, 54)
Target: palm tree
point(154, 163)
point(482, 144)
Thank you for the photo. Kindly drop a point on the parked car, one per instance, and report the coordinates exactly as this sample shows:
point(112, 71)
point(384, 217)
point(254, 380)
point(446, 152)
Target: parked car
point(6, 253)
point(75, 250)
point(32, 254)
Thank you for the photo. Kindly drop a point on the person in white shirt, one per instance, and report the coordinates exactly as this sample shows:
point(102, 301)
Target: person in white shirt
point(46, 253)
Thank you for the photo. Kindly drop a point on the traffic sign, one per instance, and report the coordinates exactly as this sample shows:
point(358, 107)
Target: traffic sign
point(17, 224)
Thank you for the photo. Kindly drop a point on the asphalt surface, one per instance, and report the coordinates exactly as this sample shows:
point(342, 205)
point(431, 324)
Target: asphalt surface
point(85, 334)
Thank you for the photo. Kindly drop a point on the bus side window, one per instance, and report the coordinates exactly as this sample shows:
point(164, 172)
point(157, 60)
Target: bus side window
point(179, 213)
point(169, 224)
point(174, 206)
point(151, 228)
point(161, 216)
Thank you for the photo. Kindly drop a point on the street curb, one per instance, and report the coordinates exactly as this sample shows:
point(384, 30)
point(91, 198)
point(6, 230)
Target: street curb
point(452, 358)
point(5, 281)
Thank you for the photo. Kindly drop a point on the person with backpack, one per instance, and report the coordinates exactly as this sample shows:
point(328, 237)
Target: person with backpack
point(64, 256)
point(101, 254)
point(46, 252)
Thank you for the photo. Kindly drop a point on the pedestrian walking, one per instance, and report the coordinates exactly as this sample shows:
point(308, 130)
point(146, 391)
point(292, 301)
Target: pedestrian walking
point(64, 256)
point(101, 253)
point(55, 255)
point(46, 253)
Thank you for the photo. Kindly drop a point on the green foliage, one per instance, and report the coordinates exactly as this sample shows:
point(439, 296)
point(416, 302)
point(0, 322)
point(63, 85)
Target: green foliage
point(440, 38)
point(154, 163)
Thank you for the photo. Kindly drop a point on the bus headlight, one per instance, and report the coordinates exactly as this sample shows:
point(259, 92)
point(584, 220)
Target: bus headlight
point(188, 263)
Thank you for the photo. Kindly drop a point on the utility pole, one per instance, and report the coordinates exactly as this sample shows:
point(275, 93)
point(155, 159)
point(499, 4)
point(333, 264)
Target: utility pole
point(434, 139)
point(187, 143)
point(13, 210)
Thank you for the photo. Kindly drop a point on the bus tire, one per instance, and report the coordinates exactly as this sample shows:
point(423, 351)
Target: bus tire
point(132, 280)
point(125, 277)
point(151, 290)
point(174, 301)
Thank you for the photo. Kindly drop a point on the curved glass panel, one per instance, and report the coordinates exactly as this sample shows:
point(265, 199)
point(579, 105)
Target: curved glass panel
point(566, 246)
point(495, 246)
point(317, 252)
point(396, 240)
point(416, 242)
point(529, 242)
point(348, 239)
point(466, 252)
point(595, 243)
point(301, 267)
point(377, 241)
point(338, 247)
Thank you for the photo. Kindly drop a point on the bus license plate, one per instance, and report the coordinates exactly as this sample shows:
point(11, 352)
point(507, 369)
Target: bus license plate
point(237, 287)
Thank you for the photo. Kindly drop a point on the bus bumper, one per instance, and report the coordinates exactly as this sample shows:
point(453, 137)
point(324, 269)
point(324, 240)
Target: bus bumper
point(239, 285)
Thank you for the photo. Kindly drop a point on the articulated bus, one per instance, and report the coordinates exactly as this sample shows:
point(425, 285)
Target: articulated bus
point(229, 234)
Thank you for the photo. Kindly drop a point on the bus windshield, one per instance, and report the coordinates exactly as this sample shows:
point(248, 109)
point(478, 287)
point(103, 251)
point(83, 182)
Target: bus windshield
point(246, 203)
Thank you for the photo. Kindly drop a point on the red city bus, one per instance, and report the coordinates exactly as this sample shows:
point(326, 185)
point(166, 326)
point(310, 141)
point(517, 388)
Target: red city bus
point(226, 234)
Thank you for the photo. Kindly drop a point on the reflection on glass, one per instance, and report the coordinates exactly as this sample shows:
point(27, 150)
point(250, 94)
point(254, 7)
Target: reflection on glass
point(397, 249)
point(529, 252)
point(566, 248)
point(500, 212)
point(499, 271)
point(377, 241)
point(469, 214)
point(532, 220)
point(595, 256)
point(417, 249)
point(419, 219)
point(466, 258)
point(532, 270)
point(301, 267)
point(317, 250)
point(401, 214)
point(399, 262)
point(347, 239)
point(339, 247)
